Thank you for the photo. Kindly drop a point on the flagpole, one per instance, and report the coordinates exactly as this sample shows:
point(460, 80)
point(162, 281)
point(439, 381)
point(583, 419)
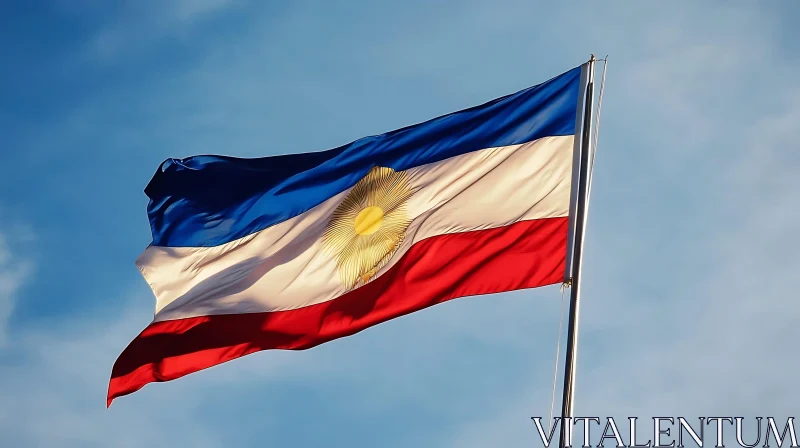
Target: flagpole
point(570, 361)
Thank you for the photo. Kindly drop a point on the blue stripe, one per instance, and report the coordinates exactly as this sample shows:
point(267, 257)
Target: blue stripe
point(211, 200)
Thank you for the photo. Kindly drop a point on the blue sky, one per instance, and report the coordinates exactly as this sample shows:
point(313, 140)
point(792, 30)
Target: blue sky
point(691, 254)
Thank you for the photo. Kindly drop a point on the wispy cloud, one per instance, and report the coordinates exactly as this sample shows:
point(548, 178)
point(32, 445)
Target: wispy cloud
point(139, 25)
point(15, 269)
point(57, 387)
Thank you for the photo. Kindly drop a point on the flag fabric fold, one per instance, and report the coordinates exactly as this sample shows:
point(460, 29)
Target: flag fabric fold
point(292, 251)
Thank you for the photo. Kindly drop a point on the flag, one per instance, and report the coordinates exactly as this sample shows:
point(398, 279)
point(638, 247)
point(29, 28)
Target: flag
point(292, 251)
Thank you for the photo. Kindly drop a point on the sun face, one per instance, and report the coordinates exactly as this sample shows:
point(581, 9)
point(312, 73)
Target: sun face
point(369, 225)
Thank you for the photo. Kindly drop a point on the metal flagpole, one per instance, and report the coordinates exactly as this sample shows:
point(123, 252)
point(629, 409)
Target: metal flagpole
point(577, 246)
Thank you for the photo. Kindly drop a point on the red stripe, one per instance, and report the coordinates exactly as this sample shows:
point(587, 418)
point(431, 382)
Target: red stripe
point(523, 255)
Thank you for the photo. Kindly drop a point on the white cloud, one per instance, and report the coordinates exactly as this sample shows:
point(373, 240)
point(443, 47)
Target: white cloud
point(57, 390)
point(14, 271)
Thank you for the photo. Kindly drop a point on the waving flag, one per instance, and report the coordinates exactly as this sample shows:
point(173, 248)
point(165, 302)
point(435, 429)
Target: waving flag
point(291, 251)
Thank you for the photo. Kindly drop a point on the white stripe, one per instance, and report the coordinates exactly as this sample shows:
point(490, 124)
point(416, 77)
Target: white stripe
point(284, 267)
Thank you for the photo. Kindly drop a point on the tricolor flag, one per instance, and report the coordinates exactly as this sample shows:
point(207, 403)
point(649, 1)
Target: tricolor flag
point(291, 251)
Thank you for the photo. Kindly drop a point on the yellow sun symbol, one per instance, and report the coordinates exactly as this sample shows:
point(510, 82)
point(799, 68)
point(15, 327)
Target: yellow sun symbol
point(369, 225)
